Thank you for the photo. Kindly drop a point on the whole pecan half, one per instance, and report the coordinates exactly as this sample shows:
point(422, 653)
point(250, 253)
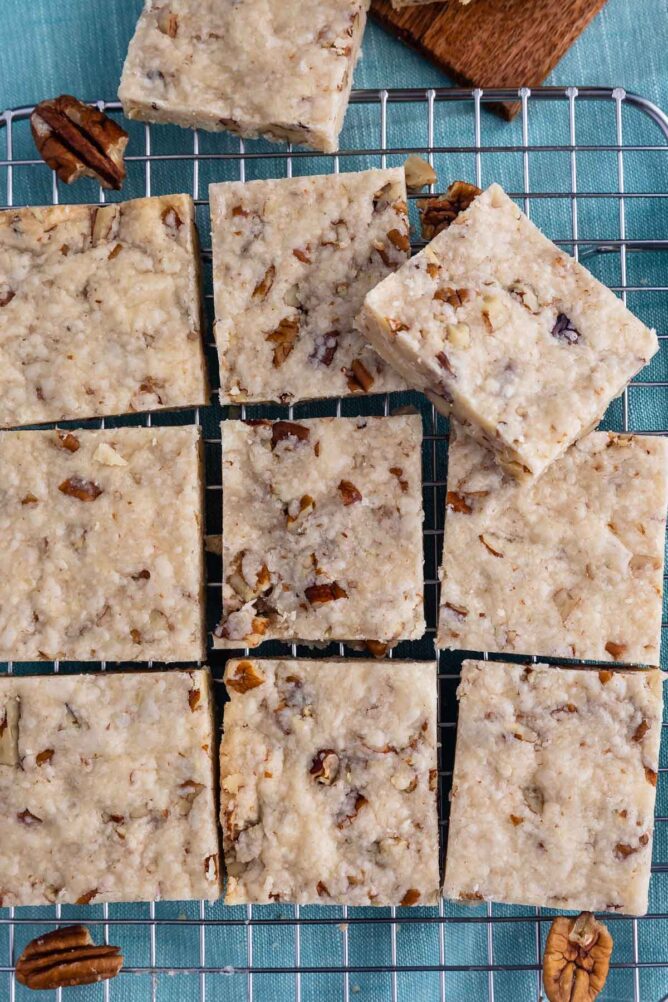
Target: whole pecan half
point(577, 959)
point(77, 141)
point(438, 212)
point(65, 958)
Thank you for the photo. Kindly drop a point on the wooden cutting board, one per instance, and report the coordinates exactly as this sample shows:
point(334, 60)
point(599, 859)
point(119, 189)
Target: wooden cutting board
point(492, 43)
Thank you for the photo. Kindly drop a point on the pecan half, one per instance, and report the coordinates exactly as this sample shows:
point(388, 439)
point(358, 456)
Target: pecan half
point(437, 213)
point(288, 429)
point(577, 959)
point(77, 141)
point(78, 487)
point(66, 958)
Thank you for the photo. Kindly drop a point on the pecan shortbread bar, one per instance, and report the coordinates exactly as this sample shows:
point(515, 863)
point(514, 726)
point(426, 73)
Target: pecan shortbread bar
point(281, 69)
point(99, 310)
point(322, 535)
point(554, 786)
point(506, 332)
point(570, 566)
point(293, 260)
point(102, 554)
point(107, 788)
point(328, 779)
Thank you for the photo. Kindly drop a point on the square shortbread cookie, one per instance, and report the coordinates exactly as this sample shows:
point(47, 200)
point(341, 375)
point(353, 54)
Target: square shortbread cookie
point(99, 310)
point(257, 67)
point(506, 332)
point(569, 566)
point(102, 555)
point(322, 530)
point(554, 786)
point(328, 779)
point(292, 262)
point(107, 788)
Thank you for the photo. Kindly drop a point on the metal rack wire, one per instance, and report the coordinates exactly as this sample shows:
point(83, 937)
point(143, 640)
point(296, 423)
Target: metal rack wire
point(579, 192)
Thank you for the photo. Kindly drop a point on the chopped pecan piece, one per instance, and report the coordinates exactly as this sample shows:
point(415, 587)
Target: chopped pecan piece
point(577, 959)
point(564, 330)
point(85, 899)
point(640, 731)
point(458, 503)
point(376, 647)
point(411, 897)
point(28, 818)
point(650, 776)
point(325, 766)
point(44, 756)
point(246, 676)
point(605, 677)
point(306, 505)
point(419, 173)
point(168, 23)
point(355, 801)
point(488, 546)
point(66, 958)
point(437, 213)
point(67, 441)
point(6, 297)
point(264, 285)
point(360, 379)
point(444, 362)
point(399, 240)
point(320, 593)
point(615, 650)
point(459, 610)
point(171, 219)
point(302, 254)
point(349, 493)
point(194, 699)
point(397, 471)
point(77, 141)
point(28, 499)
point(283, 338)
point(454, 297)
point(78, 487)
point(288, 429)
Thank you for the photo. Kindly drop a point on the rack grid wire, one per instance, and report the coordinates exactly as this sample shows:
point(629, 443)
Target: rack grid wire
point(579, 192)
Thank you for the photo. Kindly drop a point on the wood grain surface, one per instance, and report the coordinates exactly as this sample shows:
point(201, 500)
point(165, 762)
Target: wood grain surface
point(492, 43)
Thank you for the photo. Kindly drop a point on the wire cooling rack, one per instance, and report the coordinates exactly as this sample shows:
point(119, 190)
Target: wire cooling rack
point(591, 168)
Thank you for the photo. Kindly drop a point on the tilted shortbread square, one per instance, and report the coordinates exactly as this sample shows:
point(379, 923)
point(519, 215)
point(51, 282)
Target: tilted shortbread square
point(506, 332)
point(292, 262)
point(328, 779)
point(554, 786)
point(99, 310)
point(569, 566)
point(102, 555)
point(322, 530)
point(107, 788)
point(281, 70)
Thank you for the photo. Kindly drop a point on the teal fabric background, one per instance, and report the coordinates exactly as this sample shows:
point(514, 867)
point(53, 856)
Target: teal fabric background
point(50, 46)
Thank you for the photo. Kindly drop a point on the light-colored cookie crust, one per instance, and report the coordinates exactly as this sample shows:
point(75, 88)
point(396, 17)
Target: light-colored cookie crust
point(322, 530)
point(292, 262)
point(107, 788)
point(569, 566)
point(328, 778)
point(99, 310)
point(554, 786)
point(102, 555)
